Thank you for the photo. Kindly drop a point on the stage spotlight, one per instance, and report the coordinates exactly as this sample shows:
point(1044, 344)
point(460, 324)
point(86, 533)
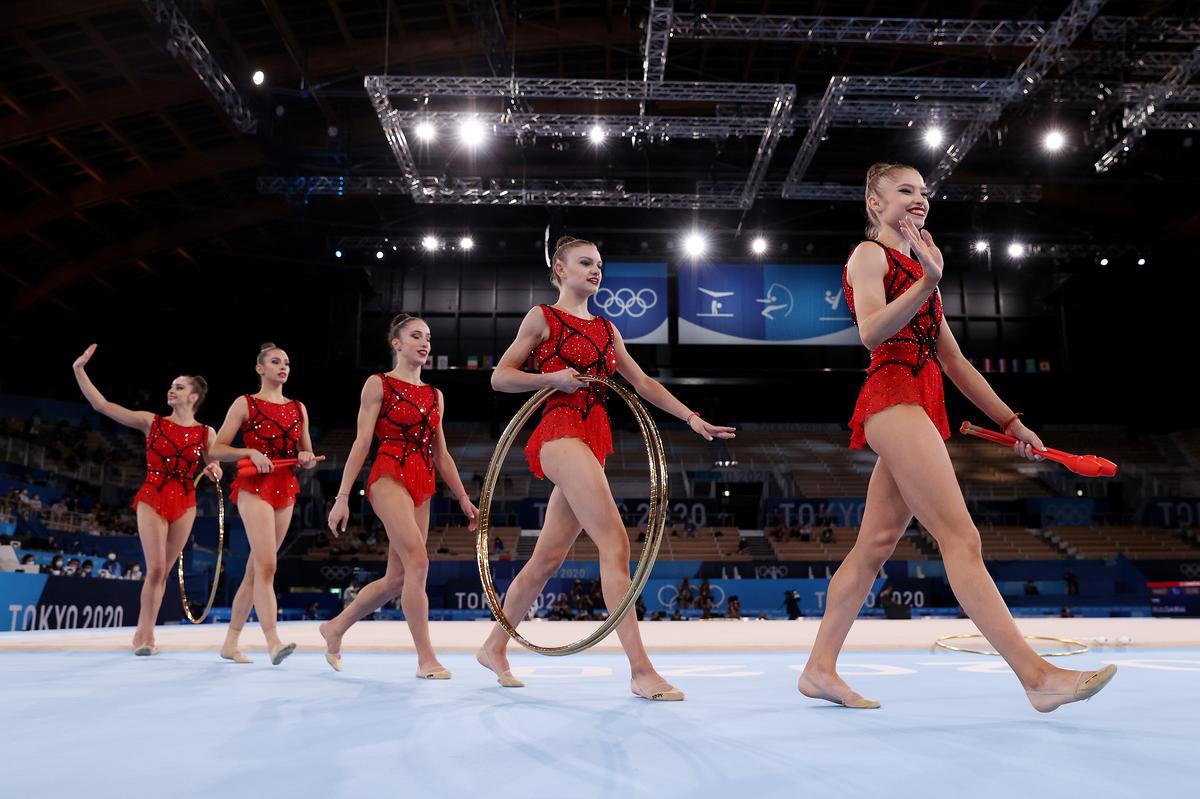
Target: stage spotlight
point(466, 243)
point(430, 243)
point(1141, 261)
point(694, 245)
point(471, 132)
point(258, 77)
point(379, 255)
point(597, 134)
point(1054, 141)
point(1016, 250)
point(337, 253)
point(934, 136)
point(1104, 262)
point(759, 245)
point(981, 246)
point(426, 131)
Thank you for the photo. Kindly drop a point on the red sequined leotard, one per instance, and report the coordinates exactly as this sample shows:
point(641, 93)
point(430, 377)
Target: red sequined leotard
point(406, 428)
point(274, 429)
point(172, 454)
point(587, 346)
point(903, 368)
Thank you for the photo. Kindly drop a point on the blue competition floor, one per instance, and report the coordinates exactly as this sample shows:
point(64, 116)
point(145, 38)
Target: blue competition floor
point(106, 724)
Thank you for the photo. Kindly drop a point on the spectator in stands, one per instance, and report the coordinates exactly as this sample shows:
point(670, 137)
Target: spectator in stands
point(111, 566)
point(685, 597)
point(86, 571)
point(689, 529)
point(641, 539)
point(72, 568)
point(56, 566)
point(1031, 588)
point(134, 572)
point(827, 535)
point(498, 545)
point(791, 601)
point(310, 613)
point(640, 608)
point(28, 561)
point(1072, 581)
point(743, 545)
point(350, 593)
point(733, 608)
point(1066, 613)
point(705, 590)
point(806, 534)
point(8, 556)
point(677, 615)
point(658, 615)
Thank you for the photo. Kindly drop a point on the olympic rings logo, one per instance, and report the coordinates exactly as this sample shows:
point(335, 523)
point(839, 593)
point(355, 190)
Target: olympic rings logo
point(625, 301)
point(674, 595)
point(770, 572)
point(336, 572)
point(1190, 570)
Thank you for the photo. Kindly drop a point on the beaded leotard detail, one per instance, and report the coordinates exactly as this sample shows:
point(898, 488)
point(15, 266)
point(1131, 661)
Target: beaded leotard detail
point(588, 347)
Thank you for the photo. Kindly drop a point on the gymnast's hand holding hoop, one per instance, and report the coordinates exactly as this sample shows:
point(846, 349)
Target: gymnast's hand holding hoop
point(212, 470)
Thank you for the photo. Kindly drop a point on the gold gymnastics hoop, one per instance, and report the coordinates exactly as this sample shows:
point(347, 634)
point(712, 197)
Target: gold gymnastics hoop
point(656, 518)
point(1082, 649)
point(217, 572)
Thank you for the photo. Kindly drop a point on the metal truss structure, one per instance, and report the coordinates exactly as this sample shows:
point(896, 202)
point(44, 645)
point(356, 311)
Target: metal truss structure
point(1045, 54)
point(716, 195)
point(382, 89)
point(1159, 30)
point(767, 110)
point(1137, 119)
point(857, 30)
point(184, 41)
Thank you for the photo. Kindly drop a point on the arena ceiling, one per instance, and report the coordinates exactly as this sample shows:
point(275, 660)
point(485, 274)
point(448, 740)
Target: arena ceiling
point(135, 145)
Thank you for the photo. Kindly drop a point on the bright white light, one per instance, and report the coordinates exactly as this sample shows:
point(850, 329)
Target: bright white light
point(694, 245)
point(258, 77)
point(379, 254)
point(934, 136)
point(1104, 262)
point(597, 134)
point(471, 132)
point(466, 243)
point(1016, 250)
point(1054, 141)
point(981, 246)
point(430, 243)
point(758, 246)
point(1141, 261)
point(426, 131)
point(337, 253)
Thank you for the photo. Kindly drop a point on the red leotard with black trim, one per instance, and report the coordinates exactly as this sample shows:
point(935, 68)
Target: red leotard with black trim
point(903, 368)
point(274, 429)
point(588, 347)
point(406, 428)
point(172, 454)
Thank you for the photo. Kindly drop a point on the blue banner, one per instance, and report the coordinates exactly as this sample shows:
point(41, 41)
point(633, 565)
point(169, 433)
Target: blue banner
point(764, 304)
point(755, 595)
point(42, 602)
point(806, 511)
point(1173, 512)
point(634, 298)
